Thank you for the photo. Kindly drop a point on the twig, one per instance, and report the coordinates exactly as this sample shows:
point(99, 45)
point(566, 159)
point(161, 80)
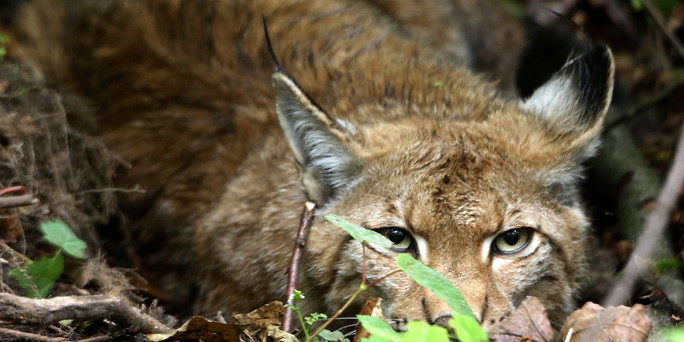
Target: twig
point(36, 337)
point(655, 226)
point(121, 190)
point(17, 201)
point(31, 336)
point(15, 254)
point(661, 23)
point(300, 243)
point(20, 189)
point(662, 95)
point(96, 338)
point(48, 311)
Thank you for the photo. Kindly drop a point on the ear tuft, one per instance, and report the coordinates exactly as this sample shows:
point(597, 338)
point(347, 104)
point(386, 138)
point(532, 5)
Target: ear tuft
point(317, 141)
point(576, 97)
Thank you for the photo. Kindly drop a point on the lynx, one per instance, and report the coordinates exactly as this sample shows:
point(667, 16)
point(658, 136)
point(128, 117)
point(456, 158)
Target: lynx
point(376, 112)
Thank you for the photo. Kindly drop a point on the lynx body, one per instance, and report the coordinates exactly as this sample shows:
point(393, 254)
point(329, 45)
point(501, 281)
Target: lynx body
point(387, 125)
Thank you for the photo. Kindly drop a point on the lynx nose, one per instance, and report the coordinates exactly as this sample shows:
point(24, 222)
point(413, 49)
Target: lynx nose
point(442, 321)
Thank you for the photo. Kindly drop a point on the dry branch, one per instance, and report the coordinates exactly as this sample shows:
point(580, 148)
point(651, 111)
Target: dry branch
point(655, 227)
point(621, 160)
point(661, 23)
point(30, 336)
point(41, 338)
point(17, 201)
point(43, 312)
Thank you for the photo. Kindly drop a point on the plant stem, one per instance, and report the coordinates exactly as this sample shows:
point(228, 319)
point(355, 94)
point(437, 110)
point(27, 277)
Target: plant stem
point(301, 322)
point(383, 278)
point(362, 287)
point(14, 253)
point(337, 314)
point(363, 270)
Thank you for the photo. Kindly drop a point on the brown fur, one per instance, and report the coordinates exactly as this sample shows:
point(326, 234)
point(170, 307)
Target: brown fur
point(184, 93)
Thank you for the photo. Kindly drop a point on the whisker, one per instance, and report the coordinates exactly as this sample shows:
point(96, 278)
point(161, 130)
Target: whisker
point(348, 326)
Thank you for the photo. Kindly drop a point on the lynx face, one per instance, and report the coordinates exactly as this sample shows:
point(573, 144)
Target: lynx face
point(489, 202)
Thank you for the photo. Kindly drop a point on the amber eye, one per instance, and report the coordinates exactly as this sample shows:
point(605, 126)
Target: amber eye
point(513, 241)
point(401, 239)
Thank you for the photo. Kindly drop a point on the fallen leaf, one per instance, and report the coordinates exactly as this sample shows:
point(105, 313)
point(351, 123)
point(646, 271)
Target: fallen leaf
point(277, 335)
point(371, 308)
point(200, 329)
point(594, 323)
point(528, 322)
point(269, 314)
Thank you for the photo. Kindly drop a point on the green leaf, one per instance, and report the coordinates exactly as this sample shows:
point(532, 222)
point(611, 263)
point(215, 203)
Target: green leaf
point(673, 334)
point(421, 331)
point(374, 338)
point(435, 282)
point(37, 278)
point(297, 296)
point(332, 336)
point(445, 290)
point(314, 317)
point(438, 84)
point(665, 6)
point(379, 329)
point(358, 233)
point(668, 264)
point(60, 235)
point(677, 73)
point(467, 328)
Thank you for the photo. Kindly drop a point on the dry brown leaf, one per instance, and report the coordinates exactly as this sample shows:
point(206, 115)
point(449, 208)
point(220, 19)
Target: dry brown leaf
point(277, 335)
point(200, 329)
point(371, 308)
point(528, 322)
point(594, 323)
point(269, 314)
point(262, 324)
point(10, 226)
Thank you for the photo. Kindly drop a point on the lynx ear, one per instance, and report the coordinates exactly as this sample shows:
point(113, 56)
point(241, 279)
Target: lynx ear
point(327, 163)
point(575, 99)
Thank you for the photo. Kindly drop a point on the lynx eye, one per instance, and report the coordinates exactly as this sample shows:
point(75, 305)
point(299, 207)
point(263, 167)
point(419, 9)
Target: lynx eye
point(401, 239)
point(513, 240)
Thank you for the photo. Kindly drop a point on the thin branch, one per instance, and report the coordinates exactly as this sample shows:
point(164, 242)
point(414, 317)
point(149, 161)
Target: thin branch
point(121, 190)
point(648, 103)
point(17, 255)
point(655, 226)
point(30, 336)
point(300, 243)
point(41, 338)
point(20, 189)
point(17, 201)
point(661, 23)
point(96, 339)
point(98, 307)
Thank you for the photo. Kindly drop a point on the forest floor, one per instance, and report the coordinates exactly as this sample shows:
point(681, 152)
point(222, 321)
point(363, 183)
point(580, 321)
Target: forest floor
point(48, 171)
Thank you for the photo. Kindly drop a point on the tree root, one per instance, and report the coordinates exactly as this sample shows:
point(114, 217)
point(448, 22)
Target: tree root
point(43, 312)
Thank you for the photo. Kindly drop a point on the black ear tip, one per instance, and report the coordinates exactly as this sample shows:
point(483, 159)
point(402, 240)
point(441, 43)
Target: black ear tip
point(600, 55)
point(594, 69)
point(269, 45)
point(598, 62)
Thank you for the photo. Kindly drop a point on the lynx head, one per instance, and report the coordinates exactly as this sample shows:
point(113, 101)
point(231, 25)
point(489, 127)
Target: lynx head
point(487, 198)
